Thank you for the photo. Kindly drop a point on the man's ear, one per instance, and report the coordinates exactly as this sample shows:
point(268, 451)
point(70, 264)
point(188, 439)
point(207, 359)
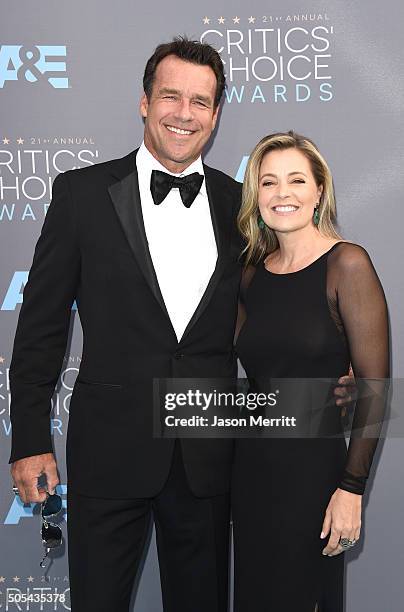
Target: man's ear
point(215, 115)
point(143, 106)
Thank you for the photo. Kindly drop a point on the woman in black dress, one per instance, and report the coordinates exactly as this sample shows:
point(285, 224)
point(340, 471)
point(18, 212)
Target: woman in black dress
point(313, 305)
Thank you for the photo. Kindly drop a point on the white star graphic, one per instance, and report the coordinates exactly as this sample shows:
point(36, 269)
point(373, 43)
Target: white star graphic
point(251, 19)
point(236, 19)
point(2, 579)
point(16, 579)
point(6, 141)
point(30, 579)
point(206, 20)
point(20, 141)
point(1, 359)
point(221, 20)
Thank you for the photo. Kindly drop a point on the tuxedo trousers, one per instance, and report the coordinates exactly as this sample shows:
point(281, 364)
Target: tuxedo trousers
point(107, 538)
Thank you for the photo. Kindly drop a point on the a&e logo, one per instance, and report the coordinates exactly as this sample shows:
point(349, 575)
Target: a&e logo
point(34, 64)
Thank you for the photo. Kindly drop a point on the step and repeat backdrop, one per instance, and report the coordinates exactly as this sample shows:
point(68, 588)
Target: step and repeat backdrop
point(70, 83)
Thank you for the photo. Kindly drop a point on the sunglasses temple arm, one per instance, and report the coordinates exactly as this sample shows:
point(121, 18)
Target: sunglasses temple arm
point(44, 557)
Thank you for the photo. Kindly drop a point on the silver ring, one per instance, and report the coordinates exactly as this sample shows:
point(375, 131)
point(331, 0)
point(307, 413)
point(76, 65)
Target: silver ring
point(15, 490)
point(347, 543)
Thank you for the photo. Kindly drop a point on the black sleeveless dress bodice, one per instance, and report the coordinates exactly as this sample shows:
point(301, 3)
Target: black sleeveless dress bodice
point(311, 324)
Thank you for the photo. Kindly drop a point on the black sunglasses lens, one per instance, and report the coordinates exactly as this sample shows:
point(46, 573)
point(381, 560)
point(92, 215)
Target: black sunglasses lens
point(51, 535)
point(53, 505)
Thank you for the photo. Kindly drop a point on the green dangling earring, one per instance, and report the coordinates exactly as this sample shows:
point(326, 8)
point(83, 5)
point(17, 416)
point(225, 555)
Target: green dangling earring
point(261, 222)
point(316, 215)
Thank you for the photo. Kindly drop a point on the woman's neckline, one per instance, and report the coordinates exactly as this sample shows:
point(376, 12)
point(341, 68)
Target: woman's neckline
point(305, 267)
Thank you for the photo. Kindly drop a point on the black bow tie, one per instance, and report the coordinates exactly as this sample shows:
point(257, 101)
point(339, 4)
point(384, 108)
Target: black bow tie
point(161, 183)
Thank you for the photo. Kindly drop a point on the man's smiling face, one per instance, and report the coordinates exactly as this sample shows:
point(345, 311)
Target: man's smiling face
point(180, 114)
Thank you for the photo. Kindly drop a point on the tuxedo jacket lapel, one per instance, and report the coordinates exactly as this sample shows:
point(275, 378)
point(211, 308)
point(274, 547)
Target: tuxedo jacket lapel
point(221, 206)
point(126, 200)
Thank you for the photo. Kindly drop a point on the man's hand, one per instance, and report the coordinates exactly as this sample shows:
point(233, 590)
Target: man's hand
point(25, 473)
point(346, 392)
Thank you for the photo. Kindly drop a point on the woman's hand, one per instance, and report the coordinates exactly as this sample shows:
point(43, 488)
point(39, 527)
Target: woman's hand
point(343, 519)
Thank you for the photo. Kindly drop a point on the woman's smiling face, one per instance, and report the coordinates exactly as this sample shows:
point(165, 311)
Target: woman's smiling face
point(287, 190)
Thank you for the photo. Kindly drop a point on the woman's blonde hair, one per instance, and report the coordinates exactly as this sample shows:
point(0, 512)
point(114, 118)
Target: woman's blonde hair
point(260, 242)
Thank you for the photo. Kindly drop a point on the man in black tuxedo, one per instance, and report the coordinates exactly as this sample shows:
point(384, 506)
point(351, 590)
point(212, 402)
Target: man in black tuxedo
point(148, 247)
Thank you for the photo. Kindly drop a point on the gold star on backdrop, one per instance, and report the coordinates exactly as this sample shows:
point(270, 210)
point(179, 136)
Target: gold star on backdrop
point(206, 20)
point(6, 141)
point(236, 19)
point(20, 141)
point(16, 579)
point(221, 20)
point(1, 359)
point(251, 19)
point(30, 579)
point(2, 579)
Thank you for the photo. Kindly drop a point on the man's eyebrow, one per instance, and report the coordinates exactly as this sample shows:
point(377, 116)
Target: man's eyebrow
point(168, 90)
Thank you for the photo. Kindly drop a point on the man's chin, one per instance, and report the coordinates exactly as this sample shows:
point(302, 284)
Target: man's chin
point(182, 157)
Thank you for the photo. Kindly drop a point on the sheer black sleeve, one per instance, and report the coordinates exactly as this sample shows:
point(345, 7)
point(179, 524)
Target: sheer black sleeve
point(362, 307)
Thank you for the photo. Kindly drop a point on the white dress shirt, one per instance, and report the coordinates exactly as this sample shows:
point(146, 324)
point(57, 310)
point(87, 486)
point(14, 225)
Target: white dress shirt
point(181, 241)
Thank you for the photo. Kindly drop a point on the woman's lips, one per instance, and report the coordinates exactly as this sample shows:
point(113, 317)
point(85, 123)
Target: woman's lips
point(288, 209)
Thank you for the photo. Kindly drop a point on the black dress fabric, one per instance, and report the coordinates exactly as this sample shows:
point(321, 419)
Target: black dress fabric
point(307, 324)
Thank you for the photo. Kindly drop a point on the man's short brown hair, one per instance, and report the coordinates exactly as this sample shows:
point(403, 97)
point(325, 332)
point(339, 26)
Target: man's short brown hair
point(189, 51)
